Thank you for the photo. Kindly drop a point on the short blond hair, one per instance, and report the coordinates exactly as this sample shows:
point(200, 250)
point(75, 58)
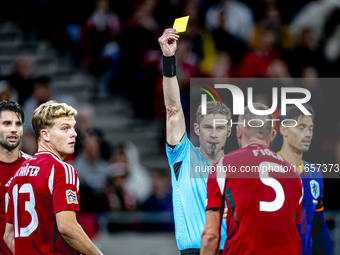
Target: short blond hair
point(45, 114)
point(213, 108)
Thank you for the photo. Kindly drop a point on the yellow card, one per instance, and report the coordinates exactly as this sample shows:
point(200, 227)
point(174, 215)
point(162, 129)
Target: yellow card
point(181, 24)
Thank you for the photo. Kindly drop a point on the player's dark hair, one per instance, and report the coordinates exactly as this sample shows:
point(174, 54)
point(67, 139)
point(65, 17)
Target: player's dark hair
point(11, 106)
point(214, 109)
point(293, 113)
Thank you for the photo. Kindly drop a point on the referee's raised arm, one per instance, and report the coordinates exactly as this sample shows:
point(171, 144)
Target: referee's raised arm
point(175, 123)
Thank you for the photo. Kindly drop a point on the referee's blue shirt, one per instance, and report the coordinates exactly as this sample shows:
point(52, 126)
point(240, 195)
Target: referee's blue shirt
point(189, 194)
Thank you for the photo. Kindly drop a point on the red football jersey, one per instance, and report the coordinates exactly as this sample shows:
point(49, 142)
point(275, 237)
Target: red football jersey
point(7, 170)
point(264, 202)
point(43, 186)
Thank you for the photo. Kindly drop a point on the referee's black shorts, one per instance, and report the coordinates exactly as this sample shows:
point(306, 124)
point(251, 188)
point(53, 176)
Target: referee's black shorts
point(194, 251)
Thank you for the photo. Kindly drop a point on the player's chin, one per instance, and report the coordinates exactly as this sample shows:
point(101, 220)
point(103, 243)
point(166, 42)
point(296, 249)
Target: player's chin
point(207, 150)
point(14, 144)
point(304, 148)
point(69, 150)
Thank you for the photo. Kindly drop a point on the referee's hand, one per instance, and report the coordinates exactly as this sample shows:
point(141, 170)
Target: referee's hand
point(168, 42)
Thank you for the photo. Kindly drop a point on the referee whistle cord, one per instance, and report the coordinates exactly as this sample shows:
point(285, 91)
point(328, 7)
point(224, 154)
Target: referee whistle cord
point(213, 147)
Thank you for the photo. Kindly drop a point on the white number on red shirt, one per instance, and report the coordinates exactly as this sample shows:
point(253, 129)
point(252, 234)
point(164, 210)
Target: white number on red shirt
point(277, 203)
point(6, 202)
point(29, 207)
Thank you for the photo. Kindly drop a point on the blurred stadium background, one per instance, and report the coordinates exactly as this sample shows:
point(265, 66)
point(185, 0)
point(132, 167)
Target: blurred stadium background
point(103, 58)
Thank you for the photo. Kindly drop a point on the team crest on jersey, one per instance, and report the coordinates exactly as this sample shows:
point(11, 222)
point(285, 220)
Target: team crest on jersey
point(71, 197)
point(314, 188)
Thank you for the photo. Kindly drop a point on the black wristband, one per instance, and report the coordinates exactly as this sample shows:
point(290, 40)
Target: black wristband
point(169, 66)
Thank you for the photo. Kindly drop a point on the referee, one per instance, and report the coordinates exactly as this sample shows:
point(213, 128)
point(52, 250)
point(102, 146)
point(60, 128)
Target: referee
point(189, 194)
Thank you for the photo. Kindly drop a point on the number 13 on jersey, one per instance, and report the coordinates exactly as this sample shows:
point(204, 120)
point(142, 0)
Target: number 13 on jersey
point(29, 207)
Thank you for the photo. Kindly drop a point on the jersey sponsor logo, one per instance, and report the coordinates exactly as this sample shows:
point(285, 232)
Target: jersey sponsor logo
point(314, 188)
point(71, 197)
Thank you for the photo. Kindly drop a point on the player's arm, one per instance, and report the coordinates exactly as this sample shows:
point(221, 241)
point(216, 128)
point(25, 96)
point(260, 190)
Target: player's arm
point(73, 233)
point(65, 204)
point(211, 232)
point(175, 123)
point(214, 211)
point(9, 236)
point(321, 238)
point(9, 232)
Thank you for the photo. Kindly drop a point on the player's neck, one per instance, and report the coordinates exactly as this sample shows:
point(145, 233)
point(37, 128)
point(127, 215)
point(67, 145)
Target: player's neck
point(246, 143)
point(46, 147)
point(292, 156)
point(8, 156)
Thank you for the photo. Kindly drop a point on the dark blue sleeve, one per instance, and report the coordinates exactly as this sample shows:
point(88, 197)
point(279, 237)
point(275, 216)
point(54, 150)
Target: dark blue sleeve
point(321, 238)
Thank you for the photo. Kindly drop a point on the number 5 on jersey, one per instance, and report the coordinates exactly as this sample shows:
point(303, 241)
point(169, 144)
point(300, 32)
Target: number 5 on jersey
point(277, 203)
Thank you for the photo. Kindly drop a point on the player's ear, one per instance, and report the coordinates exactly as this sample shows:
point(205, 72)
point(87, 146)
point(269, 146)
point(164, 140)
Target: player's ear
point(283, 130)
point(229, 131)
point(238, 132)
point(197, 129)
point(273, 135)
point(45, 135)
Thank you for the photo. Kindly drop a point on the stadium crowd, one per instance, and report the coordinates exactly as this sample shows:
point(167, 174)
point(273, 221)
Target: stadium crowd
point(114, 40)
